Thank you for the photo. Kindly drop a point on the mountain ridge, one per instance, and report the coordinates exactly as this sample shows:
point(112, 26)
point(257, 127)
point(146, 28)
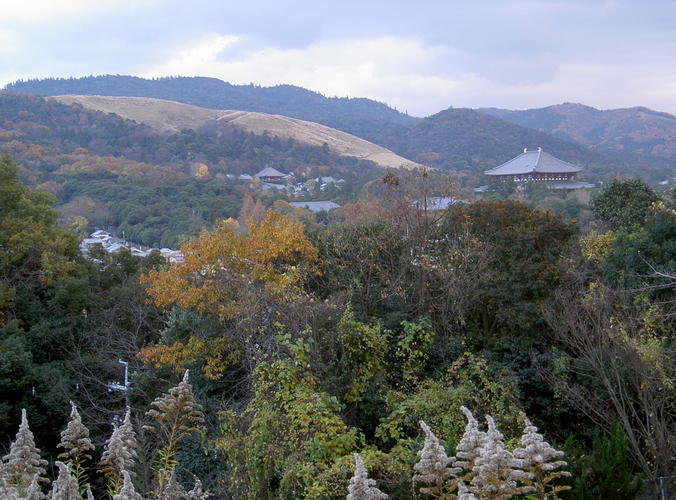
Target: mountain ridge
point(637, 130)
point(357, 116)
point(457, 139)
point(172, 116)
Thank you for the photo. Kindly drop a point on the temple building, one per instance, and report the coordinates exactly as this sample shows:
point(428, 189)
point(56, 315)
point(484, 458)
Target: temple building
point(538, 166)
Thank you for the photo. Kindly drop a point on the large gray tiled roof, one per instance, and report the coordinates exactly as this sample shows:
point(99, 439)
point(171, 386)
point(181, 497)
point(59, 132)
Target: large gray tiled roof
point(533, 161)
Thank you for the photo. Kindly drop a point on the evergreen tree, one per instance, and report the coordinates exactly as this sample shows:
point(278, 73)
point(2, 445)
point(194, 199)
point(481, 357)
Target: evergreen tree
point(23, 460)
point(361, 487)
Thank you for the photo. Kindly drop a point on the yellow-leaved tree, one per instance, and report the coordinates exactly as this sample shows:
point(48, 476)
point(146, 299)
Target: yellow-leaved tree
point(231, 274)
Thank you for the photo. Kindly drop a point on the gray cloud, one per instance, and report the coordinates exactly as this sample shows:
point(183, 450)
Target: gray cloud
point(421, 56)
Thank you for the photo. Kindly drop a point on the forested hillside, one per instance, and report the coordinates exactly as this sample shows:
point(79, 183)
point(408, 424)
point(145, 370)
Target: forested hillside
point(642, 131)
point(160, 188)
point(278, 349)
point(359, 116)
point(459, 140)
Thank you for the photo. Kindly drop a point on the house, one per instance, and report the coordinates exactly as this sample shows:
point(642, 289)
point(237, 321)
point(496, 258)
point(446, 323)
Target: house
point(100, 235)
point(538, 166)
point(245, 177)
point(272, 175)
point(315, 206)
point(435, 203)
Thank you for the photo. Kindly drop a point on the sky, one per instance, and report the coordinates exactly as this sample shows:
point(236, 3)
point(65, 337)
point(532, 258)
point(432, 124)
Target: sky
point(417, 56)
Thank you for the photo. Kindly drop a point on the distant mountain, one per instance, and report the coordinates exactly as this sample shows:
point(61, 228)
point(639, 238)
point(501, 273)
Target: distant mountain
point(170, 116)
point(461, 140)
point(469, 142)
point(358, 116)
point(464, 135)
point(639, 131)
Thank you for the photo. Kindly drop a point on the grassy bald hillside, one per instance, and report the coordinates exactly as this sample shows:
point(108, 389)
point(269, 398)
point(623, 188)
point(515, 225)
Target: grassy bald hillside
point(359, 116)
point(459, 140)
point(159, 187)
point(639, 130)
point(169, 116)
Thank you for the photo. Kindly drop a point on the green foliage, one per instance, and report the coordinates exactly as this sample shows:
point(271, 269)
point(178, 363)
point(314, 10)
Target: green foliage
point(635, 256)
point(606, 472)
point(358, 116)
point(468, 382)
point(391, 470)
point(364, 349)
point(523, 261)
point(289, 432)
point(624, 204)
point(413, 348)
point(369, 258)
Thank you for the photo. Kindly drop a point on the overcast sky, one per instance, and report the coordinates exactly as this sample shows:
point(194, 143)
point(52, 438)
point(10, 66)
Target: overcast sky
point(418, 56)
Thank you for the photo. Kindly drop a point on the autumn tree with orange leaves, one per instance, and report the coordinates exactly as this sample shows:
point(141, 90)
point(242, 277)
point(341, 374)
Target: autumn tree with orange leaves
point(231, 275)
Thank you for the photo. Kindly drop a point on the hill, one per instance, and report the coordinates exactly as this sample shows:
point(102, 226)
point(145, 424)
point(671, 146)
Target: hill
point(359, 116)
point(459, 140)
point(158, 187)
point(169, 116)
point(470, 142)
point(639, 130)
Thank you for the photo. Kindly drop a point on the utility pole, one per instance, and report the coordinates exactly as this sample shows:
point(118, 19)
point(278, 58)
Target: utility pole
point(116, 386)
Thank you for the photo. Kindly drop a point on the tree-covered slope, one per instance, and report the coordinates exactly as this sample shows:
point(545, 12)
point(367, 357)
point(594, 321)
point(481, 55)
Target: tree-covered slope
point(470, 142)
point(160, 188)
point(639, 130)
point(359, 116)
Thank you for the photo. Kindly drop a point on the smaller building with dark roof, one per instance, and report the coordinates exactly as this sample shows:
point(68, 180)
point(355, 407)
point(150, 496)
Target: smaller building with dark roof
point(315, 206)
point(272, 175)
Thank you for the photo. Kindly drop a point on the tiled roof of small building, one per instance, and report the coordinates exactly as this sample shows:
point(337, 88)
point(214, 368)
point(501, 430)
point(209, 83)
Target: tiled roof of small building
point(435, 203)
point(533, 161)
point(270, 172)
point(315, 206)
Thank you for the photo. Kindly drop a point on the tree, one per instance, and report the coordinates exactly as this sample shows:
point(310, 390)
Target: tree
point(289, 432)
point(618, 367)
point(624, 204)
point(521, 259)
point(224, 272)
point(31, 244)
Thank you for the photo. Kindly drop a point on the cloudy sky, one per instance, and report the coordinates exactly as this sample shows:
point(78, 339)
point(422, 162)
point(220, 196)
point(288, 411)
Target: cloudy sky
point(418, 56)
